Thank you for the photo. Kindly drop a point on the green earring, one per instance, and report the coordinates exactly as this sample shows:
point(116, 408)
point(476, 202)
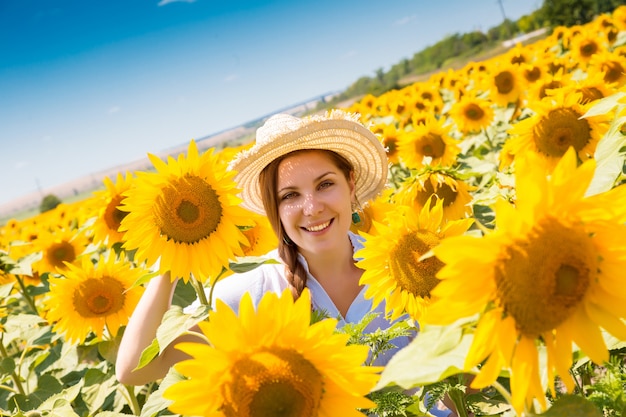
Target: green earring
point(356, 219)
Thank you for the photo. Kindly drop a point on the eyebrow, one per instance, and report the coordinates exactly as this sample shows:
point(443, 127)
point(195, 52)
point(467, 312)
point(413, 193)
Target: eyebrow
point(318, 178)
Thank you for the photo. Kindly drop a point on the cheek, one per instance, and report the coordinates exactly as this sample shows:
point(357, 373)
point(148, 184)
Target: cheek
point(287, 211)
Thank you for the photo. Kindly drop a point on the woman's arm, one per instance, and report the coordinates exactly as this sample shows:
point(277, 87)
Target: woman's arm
point(141, 331)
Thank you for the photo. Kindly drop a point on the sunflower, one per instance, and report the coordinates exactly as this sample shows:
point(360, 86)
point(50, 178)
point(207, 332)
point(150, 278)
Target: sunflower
point(584, 47)
point(373, 212)
point(59, 247)
point(109, 216)
point(612, 65)
point(394, 270)
point(472, 113)
point(555, 127)
point(187, 214)
point(551, 272)
point(428, 144)
point(388, 135)
point(504, 83)
point(619, 17)
point(270, 361)
point(417, 189)
point(593, 87)
point(532, 72)
point(93, 298)
point(261, 238)
point(519, 54)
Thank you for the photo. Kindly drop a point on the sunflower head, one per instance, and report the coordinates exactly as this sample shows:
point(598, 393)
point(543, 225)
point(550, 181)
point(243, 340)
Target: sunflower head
point(546, 276)
point(427, 144)
point(59, 247)
point(186, 214)
point(256, 365)
point(398, 264)
point(108, 216)
point(471, 113)
point(93, 298)
point(416, 191)
point(556, 126)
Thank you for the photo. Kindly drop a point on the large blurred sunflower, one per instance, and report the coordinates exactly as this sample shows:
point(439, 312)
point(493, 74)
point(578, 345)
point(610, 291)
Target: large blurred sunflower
point(394, 270)
point(93, 298)
point(270, 361)
point(551, 272)
point(556, 126)
point(108, 215)
point(187, 214)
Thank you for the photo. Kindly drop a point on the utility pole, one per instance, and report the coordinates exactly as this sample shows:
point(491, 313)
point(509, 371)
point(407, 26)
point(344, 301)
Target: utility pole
point(504, 22)
point(502, 9)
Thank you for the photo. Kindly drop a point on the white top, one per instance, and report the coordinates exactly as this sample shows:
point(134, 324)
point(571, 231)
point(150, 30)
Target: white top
point(271, 277)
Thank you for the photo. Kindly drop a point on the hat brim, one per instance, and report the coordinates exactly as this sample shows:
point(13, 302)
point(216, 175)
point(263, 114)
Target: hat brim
point(347, 138)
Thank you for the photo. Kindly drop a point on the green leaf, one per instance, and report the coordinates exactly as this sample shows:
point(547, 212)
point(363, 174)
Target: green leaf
point(248, 263)
point(175, 323)
point(98, 386)
point(604, 105)
point(609, 159)
point(184, 294)
point(155, 402)
point(5, 290)
point(7, 365)
point(436, 353)
point(148, 354)
point(571, 406)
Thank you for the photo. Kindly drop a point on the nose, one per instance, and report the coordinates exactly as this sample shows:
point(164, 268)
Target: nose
point(312, 205)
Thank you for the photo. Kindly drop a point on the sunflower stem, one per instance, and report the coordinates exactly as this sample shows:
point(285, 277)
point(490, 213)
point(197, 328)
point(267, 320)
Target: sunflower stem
point(503, 391)
point(28, 298)
point(197, 285)
point(457, 397)
point(15, 377)
point(131, 399)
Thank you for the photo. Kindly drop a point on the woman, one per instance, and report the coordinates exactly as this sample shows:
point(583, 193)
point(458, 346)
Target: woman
point(308, 176)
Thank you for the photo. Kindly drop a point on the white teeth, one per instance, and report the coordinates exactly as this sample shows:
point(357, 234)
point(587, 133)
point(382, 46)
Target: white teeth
point(318, 227)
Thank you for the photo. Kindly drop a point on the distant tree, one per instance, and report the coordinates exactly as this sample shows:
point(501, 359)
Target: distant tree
point(575, 12)
point(49, 202)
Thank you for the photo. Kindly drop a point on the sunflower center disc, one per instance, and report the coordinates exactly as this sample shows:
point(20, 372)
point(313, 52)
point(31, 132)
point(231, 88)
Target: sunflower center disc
point(274, 383)
point(432, 145)
point(504, 82)
point(474, 112)
point(61, 252)
point(99, 297)
point(444, 192)
point(113, 216)
point(560, 129)
point(188, 210)
point(412, 275)
point(543, 278)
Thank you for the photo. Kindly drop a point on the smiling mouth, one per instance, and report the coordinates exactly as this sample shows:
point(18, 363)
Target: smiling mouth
point(319, 227)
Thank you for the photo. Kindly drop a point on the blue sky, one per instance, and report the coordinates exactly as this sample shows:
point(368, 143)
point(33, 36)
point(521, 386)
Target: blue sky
point(89, 85)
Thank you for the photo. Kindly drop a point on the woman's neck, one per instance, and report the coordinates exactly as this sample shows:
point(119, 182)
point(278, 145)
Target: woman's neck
point(339, 276)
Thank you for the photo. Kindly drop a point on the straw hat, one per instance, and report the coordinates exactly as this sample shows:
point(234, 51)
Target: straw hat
point(337, 131)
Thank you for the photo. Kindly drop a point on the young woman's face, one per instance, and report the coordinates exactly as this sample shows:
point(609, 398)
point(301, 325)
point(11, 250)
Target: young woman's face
point(314, 201)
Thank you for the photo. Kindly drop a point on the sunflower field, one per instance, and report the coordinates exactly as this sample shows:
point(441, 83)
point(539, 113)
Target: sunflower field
point(501, 237)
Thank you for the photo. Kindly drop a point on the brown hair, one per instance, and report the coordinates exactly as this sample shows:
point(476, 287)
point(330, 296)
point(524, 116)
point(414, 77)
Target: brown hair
point(288, 252)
